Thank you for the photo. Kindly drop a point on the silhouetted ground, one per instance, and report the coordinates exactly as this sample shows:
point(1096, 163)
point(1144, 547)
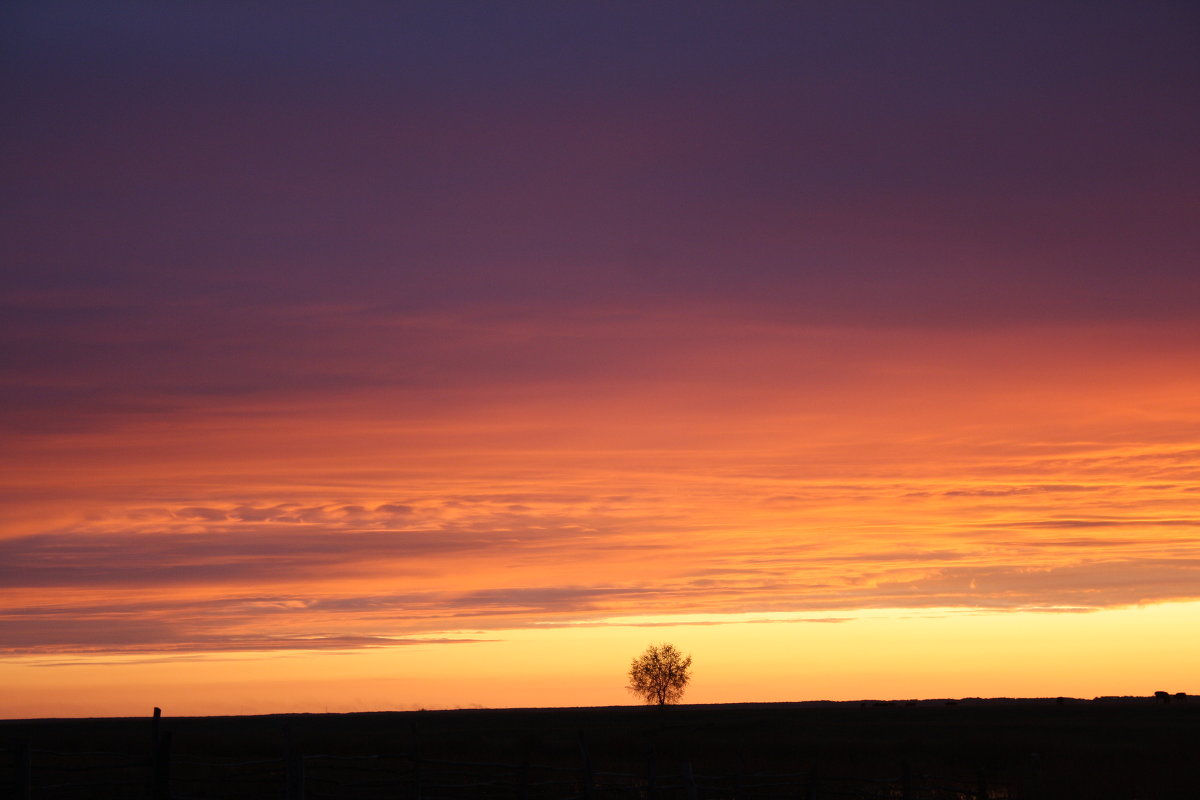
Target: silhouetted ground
point(1040, 749)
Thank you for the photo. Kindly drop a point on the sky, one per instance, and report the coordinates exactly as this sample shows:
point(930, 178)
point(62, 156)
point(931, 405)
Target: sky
point(376, 356)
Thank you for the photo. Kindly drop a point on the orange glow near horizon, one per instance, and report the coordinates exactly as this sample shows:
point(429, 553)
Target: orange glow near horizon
point(1016, 476)
point(892, 654)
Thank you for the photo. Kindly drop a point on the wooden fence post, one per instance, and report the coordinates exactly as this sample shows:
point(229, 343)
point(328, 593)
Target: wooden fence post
point(1033, 771)
point(154, 722)
point(981, 787)
point(416, 759)
point(905, 780)
point(810, 787)
point(651, 774)
point(587, 777)
point(154, 719)
point(24, 770)
point(155, 741)
point(295, 773)
point(689, 779)
point(162, 768)
point(523, 770)
point(737, 779)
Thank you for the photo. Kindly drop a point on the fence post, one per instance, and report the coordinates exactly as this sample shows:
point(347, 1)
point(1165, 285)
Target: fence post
point(586, 766)
point(905, 780)
point(523, 770)
point(295, 773)
point(651, 774)
point(416, 759)
point(24, 770)
point(981, 787)
point(741, 778)
point(1033, 783)
point(689, 779)
point(162, 767)
point(810, 789)
point(154, 721)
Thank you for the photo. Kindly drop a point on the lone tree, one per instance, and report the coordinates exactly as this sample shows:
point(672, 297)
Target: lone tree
point(660, 674)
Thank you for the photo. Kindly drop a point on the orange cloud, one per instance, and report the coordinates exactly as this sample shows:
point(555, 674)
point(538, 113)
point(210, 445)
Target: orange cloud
point(635, 465)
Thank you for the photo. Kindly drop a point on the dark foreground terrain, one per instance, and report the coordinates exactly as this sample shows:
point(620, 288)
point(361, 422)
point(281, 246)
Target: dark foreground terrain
point(1130, 748)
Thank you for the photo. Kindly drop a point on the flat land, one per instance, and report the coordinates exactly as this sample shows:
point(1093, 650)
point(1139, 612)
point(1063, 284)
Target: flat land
point(1126, 748)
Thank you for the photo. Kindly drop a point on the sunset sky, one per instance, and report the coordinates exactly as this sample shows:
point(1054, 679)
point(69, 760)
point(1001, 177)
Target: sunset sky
point(370, 356)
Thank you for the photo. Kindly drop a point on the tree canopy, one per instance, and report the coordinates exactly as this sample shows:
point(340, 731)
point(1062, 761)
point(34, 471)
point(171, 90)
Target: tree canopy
point(660, 674)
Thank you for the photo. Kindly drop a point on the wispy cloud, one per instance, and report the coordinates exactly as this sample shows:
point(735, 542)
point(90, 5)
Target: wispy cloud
point(285, 621)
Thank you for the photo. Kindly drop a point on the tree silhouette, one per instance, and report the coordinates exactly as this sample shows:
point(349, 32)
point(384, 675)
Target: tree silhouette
point(660, 674)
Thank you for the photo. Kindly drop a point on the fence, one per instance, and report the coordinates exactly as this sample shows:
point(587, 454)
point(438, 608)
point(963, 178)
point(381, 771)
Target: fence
point(27, 773)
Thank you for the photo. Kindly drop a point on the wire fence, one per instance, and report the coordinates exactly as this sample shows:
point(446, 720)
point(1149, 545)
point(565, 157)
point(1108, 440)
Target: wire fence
point(28, 773)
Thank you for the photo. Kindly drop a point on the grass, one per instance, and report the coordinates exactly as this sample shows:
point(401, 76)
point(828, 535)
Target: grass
point(1132, 748)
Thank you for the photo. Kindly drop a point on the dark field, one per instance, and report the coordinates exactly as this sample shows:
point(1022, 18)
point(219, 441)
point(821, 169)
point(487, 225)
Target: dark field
point(1120, 748)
